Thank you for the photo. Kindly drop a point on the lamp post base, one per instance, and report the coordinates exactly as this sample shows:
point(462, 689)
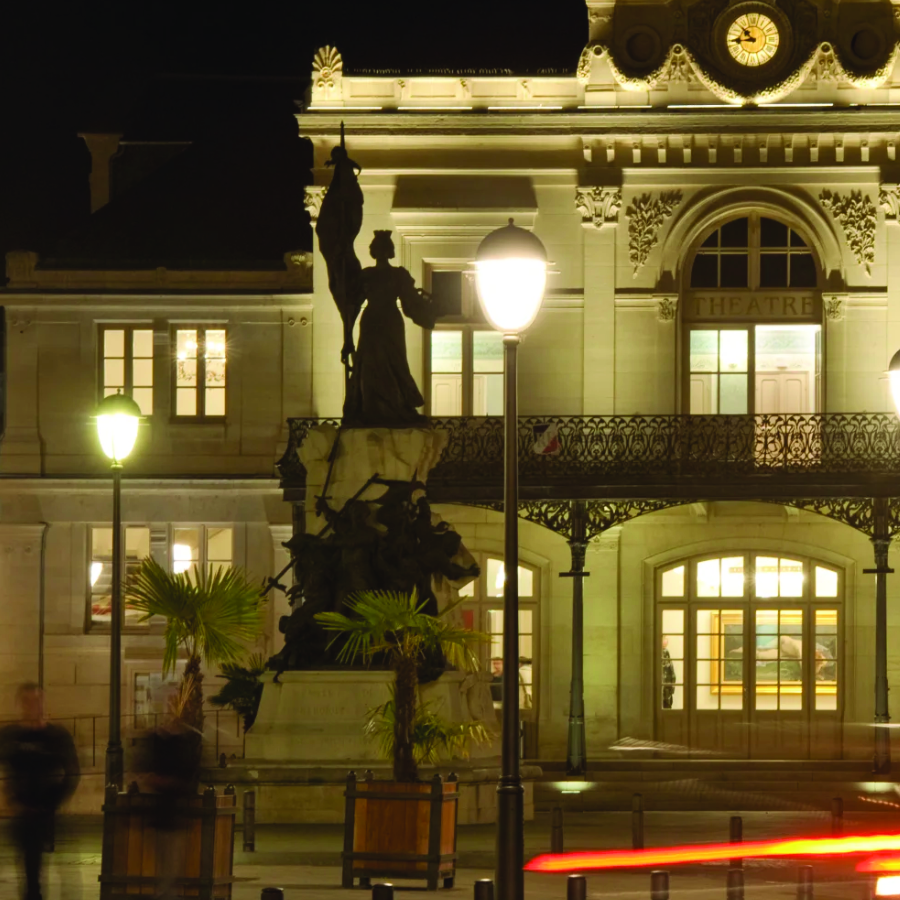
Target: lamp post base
point(510, 840)
point(115, 765)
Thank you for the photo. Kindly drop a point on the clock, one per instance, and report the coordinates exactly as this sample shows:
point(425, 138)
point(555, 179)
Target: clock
point(752, 39)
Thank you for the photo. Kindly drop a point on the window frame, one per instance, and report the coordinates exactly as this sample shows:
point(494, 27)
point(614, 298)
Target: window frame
point(168, 530)
point(468, 363)
point(201, 328)
point(482, 603)
point(128, 328)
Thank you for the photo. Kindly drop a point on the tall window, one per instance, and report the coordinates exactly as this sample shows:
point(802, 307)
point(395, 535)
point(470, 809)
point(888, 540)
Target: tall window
point(184, 546)
point(126, 363)
point(483, 611)
point(200, 371)
point(753, 341)
point(464, 359)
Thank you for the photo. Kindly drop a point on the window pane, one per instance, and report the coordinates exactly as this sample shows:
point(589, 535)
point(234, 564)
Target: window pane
point(142, 373)
point(772, 233)
point(826, 650)
point(673, 582)
point(142, 343)
point(673, 621)
point(114, 342)
point(186, 402)
point(114, 373)
point(137, 549)
point(446, 395)
point(773, 270)
point(705, 271)
point(446, 351)
point(733, 576)
point(712, 240)
point(826, 582)
point(704, 351)
point(796, 240)
point(219, 544)
point(186, 343)
point(791, 578)
point(100, 574)
point(734, 270)
point(215, 373)
point(708, 578)
point(468, 590)
point(496, 579)
point(144, 399)
point(766, 576)
point(215, 402)
point(733, 351)
point(487, 351)
point(735, 233)
point(215, 344)
point(187, 373)
point(672, 659)
point(733, 395)
point(446, 291)
point(487, 395)
point(185, 549)
point(803, 270)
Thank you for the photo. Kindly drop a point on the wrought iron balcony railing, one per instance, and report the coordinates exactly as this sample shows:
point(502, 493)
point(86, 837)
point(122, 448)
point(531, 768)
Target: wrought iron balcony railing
point(567, 449)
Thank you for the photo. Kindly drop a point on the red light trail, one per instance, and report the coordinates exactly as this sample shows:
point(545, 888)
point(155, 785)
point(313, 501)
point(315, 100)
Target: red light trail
point(886, 863)
point(662, 856)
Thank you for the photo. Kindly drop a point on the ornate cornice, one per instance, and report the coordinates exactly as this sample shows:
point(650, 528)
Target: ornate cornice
point(312, 201)
point(856, 214)
point(680, 65)
point(645, 217)
point(598, 205)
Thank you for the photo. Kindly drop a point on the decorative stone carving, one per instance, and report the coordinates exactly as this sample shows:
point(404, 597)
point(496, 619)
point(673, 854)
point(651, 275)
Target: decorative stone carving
point(827, 69)
point(679, 70)
point(599, 205)
point(889, 198)
point(855, 213)
point(312, 201)
point(667, 309)
point(834, 308)
point(645, 217)
point(328, 69)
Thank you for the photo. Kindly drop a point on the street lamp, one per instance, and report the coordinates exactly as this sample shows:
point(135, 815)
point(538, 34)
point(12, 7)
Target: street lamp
point(117, 427)
point(510, 272)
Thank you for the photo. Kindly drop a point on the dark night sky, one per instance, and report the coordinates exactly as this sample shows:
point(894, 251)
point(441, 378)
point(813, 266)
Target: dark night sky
point(181, 70)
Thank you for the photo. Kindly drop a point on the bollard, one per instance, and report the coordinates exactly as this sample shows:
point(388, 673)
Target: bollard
point(484, 889)
point(735, 888)
point(805, 883)
point(637, 822)
point(271, 894)
point(250, 822)
point(736, 836)
point(556, 830)
point(659, 884)
point(576, 887)
point(837, 816)
point(383, 891)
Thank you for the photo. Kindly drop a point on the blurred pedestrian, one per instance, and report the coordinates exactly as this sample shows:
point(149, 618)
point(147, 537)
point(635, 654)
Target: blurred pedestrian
point(42, 772)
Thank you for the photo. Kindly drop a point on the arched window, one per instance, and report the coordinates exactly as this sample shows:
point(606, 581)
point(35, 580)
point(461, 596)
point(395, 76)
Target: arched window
point(750, 639)
point(753, 316)
point(754, 252)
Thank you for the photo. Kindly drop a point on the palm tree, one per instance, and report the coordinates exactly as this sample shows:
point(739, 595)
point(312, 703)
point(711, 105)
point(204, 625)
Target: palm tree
point(211, 615)
point(394, 627)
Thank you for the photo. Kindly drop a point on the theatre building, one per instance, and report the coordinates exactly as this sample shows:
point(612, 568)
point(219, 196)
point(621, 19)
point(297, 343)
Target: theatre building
point(707, 438)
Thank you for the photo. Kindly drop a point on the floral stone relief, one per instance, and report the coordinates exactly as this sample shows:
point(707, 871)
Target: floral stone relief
point(599, 205)
point(645, 217)
point(856, 214)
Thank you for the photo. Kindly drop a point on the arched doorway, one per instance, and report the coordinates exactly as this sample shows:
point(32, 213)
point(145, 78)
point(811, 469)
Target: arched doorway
point(749, 659)
point(752, 317)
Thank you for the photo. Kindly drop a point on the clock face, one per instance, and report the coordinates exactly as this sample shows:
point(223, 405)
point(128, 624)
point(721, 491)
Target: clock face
point(752, 39)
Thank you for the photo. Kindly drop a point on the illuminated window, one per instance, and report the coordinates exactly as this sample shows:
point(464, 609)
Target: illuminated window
point(136, 549)
point(779, 657)
point(481, 612)
point(126, 363)
point(466, 372)
point(201, 545)
point(200, 372)
point(719, 658)
point(672, 658)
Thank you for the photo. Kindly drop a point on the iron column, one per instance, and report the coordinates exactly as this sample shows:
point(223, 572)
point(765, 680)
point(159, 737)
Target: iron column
point(881, 540)
point(510, 794)
point(576, 753)
point(114, 760)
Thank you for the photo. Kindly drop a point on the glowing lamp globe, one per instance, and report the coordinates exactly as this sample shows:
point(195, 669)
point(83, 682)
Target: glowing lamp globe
point(511, 272)
point(894, 376)
point(117, 425)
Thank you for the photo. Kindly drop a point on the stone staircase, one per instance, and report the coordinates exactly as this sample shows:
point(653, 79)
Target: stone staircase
point(768, 785)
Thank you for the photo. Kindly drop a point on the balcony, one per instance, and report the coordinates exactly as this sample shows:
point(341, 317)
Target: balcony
point(763, 457)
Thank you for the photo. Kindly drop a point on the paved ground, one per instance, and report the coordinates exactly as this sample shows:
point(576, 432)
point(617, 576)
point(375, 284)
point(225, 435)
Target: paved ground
point(303, 859)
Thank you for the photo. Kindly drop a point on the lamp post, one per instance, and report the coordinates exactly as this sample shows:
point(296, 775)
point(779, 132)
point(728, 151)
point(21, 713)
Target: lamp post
point(117, 426)
point(511, 270)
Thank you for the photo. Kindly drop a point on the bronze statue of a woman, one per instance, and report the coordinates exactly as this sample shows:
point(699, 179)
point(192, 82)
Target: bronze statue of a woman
point(382, 392)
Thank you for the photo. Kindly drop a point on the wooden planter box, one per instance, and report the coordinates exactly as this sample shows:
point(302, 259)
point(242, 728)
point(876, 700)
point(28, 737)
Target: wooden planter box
point(129, 866)
point(395, 830)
